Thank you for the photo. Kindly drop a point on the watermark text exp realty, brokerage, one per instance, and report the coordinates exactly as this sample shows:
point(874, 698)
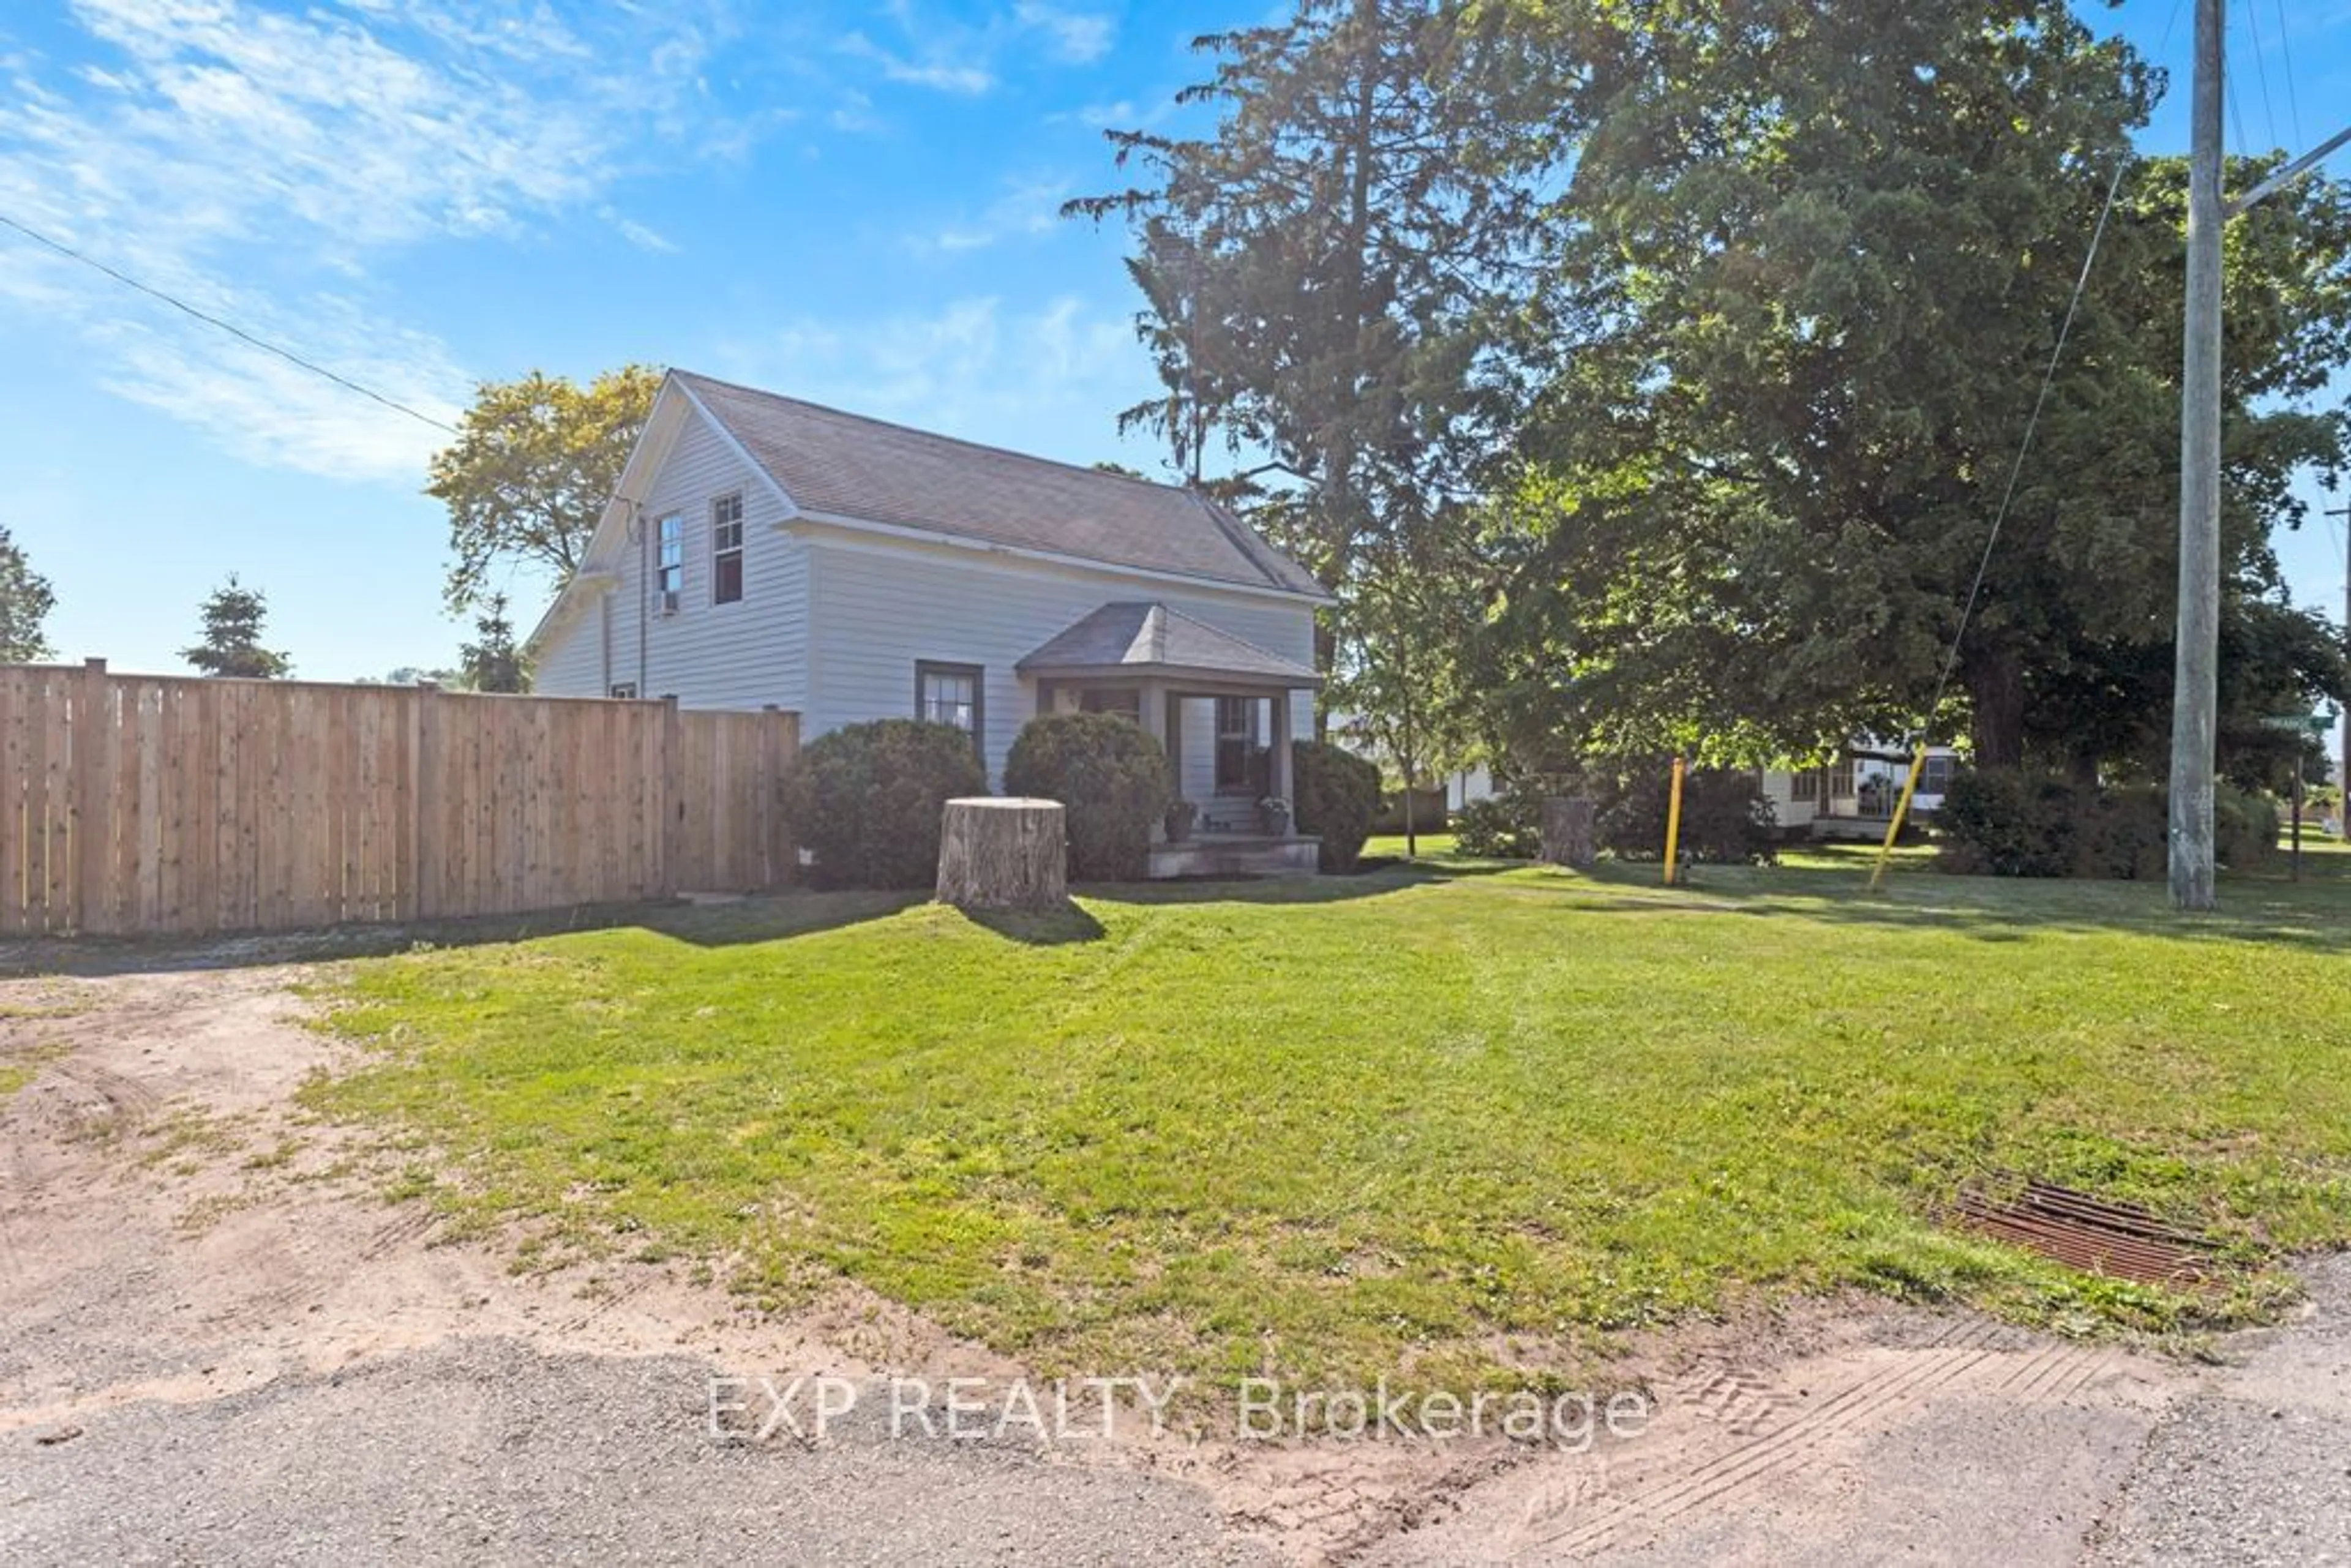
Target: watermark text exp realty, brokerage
point(805, 1408)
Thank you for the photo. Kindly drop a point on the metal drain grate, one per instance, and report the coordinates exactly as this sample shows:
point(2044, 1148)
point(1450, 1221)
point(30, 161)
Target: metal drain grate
point(2092, 1234)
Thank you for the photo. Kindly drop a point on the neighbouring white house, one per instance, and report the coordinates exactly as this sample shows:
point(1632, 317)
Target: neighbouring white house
point(763, 551)
point(1853, 797)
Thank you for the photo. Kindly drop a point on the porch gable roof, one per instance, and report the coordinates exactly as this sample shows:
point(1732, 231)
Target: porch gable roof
point(1150, 638)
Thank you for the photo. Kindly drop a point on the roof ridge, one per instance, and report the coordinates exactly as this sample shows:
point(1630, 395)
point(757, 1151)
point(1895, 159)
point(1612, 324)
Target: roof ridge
point(1086, 469)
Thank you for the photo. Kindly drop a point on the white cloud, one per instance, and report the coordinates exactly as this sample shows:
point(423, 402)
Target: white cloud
point(953, 58)
point(940, 72)
point(1029, 206)
point(1080, 37)
point(270, 412)
point(203, 140)
point(637, 234)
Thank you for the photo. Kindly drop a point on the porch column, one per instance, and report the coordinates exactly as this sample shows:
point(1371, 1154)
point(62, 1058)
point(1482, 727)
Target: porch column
point(1151, 707)
point(1280, 774)
point(1173, 738)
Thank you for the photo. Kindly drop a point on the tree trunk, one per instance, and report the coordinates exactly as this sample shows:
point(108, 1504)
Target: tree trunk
point(1995, 680)
point(1568, 832)
point(1003, 853)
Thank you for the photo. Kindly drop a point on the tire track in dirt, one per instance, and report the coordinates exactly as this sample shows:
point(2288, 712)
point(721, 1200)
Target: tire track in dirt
point(1902, 1384)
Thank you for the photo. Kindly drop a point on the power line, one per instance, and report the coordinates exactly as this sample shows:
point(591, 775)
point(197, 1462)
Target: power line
point(233, 331)
point(2040, 400)
point(2285, 59)
point(2031, 424)
point(2262, 71)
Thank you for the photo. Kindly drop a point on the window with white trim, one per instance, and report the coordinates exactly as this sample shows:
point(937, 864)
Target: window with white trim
point(726, 549)
point(670, 579)
point(624, 691)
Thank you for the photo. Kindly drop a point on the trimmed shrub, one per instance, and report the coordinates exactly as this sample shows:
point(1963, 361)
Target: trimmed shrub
point(865, 799)
point(2245, 827)
point(2007, 821)
point(1508, 826)
point(1338, 792)
point(1726, 819)
point(1111, 779)
point(2018, 822)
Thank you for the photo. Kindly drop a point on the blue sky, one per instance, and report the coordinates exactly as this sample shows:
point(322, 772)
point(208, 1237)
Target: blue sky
point(851, 203)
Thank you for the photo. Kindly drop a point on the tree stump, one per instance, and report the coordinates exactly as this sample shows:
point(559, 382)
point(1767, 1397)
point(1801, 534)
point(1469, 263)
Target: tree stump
point(1568, 836)
point(1003, 852)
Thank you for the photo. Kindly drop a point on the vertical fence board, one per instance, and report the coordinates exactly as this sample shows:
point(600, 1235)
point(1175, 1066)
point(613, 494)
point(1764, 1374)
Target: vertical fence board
point(164, 805)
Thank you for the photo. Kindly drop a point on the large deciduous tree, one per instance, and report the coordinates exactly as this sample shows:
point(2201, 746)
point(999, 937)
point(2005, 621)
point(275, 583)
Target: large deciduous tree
point(1814, 256)
point(233, 618)
point(534, 461)
point(25, 600)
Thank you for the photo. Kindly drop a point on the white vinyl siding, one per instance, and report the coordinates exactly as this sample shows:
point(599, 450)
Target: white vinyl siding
point(878, 607)
point(707, 655)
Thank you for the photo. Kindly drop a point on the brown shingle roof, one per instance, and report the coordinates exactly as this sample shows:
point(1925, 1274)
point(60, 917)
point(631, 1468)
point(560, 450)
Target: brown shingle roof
point(851, 466)
point(1137, 636)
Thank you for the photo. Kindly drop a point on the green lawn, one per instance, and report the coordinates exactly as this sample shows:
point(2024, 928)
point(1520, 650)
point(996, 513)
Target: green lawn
point(1444, 1121)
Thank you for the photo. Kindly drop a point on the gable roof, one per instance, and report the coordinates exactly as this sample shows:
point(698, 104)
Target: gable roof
point(1141, 637)
point(835, 465)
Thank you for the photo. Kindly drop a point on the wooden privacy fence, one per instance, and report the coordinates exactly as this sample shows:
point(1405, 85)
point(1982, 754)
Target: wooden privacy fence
point(150, 805)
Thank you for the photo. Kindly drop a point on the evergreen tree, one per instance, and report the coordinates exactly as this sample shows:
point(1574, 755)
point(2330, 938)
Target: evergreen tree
point(492, 662)
point(233, 618)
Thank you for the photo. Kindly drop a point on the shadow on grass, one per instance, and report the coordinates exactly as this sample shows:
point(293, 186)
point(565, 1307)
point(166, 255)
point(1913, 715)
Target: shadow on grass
point(714, 923)
point(704, 923)
point(1038, 928)
point(1394, 876)
point(2258, 907)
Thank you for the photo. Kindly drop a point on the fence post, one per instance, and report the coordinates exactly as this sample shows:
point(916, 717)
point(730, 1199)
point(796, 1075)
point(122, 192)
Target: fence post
point(672, 799)
point(91, 809)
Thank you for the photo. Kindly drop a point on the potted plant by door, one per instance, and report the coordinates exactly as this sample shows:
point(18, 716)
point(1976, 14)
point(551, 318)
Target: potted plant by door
point(1180, 817)
point(1275, 812)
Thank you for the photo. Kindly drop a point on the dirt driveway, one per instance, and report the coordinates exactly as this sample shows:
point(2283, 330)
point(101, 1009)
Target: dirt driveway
point(219, 1341)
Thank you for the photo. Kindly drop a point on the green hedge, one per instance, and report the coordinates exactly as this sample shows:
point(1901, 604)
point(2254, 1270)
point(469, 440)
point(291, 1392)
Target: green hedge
point(2013, 821)
point(1508, 826)
point(1111, 778)
point(1338, 794)
point(865, 799)
point(1726, 819)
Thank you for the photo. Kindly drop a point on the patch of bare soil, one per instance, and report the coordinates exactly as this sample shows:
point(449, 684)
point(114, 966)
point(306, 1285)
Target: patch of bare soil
point(174, 1228)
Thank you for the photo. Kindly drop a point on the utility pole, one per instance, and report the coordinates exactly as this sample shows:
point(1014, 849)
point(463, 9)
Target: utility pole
point(2195, 685)
point(2342, 776)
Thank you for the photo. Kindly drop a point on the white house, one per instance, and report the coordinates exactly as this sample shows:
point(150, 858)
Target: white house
point(1855, 795)
point(765, 551)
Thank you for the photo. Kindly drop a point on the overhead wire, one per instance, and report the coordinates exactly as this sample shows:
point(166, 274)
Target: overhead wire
point(233, 331)
point(2285, 62)
point(2032, 421)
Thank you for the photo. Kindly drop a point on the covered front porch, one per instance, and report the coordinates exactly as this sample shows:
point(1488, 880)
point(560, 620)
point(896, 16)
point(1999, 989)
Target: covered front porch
point(1223, 710)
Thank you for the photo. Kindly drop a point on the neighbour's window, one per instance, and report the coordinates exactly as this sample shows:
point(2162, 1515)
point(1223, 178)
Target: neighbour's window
point(726, 549)
point(671, 582)
point(1236, 738)
point(1841, 781)
point(949, 693)
point(1935, 778)
point(625, 690)
point(1804, 785)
